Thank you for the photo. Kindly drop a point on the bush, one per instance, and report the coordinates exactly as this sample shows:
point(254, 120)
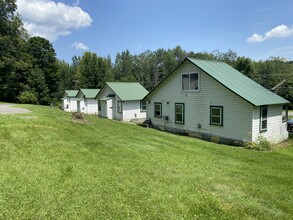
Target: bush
point(28, 97)
point(262, 144)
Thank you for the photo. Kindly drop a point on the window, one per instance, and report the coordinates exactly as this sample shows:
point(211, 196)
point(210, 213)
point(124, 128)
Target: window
point(263, 118)
point(216, 115)
point(190, 82)
point(179, 113)
point(285, 113)
point(142, 106)
point(158, 109)
point(99, 106)
point(119, 106)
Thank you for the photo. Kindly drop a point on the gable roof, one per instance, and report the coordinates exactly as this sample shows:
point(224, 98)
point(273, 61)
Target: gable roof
point(128, 91)
point(70, 93)
point(236, 82)
point(88, 93)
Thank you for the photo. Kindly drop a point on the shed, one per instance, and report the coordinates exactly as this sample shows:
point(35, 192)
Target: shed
point(86, 102)
point(69, 102)
point(122, 101)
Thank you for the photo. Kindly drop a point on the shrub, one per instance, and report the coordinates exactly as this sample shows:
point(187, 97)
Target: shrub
point(28, 97)
point(262, 144)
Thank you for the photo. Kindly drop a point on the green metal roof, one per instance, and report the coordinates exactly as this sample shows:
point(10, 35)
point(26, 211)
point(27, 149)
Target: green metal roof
point(88, 93)
point(128, 91)
point(70, 93)
point(238, 83)
point(235, 81)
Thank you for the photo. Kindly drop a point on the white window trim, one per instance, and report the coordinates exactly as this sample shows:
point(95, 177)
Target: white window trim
point(221, 115)
point(183, 113)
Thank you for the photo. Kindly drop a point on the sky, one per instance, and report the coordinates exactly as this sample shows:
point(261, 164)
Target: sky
point(258, 29)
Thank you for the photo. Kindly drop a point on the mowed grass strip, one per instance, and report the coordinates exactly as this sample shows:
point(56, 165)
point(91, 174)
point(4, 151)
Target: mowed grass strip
point(52, 167)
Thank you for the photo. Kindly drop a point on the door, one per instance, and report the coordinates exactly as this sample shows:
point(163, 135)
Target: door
point(78, 106)
point(110, 109)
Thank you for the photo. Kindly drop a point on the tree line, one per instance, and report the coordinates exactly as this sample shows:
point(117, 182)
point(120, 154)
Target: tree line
point(31, 73)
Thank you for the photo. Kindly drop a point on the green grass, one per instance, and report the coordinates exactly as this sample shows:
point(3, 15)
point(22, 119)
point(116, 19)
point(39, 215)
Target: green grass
point(53, 168)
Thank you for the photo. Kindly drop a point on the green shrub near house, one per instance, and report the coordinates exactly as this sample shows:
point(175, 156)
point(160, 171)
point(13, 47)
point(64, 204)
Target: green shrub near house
point(54, 168)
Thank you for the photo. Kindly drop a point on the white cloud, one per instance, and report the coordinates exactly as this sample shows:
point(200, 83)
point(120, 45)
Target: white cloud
point(76, 3)
point(281, 31)
point(50, 20)
point(80, 46)
point(255, 38)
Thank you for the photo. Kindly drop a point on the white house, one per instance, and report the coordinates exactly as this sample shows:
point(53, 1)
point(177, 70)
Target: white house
point(69, 102)
point(122, 101)
point(86, 102)
point(213, 101)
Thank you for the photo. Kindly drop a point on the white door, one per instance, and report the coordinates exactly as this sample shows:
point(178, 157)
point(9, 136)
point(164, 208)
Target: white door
point(110, 109)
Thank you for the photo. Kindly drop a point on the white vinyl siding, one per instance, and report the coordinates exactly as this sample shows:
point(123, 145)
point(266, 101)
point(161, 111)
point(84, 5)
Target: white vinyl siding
point(130, 109)
point(91, 106)
point(71, 104)
point(104, 93)
point(238, 112)
point(276, 128)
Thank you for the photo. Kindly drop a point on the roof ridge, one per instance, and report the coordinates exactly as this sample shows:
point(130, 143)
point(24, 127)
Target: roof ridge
point(205, 60)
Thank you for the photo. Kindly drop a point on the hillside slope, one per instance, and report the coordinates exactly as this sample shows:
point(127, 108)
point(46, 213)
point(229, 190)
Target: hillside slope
point(52, 167)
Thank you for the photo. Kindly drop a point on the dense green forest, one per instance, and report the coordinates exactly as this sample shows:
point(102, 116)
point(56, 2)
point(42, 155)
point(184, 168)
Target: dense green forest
point(31, 73)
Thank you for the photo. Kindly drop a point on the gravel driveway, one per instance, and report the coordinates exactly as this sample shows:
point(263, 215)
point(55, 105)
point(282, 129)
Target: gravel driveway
point(9, 109)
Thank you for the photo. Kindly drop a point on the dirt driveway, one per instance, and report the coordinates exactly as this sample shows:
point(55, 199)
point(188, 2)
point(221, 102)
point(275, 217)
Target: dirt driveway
point(9, 109)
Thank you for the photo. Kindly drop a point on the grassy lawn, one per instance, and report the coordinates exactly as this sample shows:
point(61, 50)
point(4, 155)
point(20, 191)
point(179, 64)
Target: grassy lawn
point(53, 168)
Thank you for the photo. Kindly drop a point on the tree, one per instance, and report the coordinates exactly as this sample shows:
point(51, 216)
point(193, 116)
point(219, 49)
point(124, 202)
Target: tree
point(124, 67)
point(228, 57)
point(245, 66)
point(13, 60)
point(67, 76)
point(43, 57)
point(93, 71)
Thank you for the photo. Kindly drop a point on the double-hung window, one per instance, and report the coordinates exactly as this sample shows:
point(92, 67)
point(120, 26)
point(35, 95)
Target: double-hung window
point(285, 113)
point(143, 106)
point(179, 113)
point(263, 118)
point(119, 107)
point(158, 109)
point(99, 106)
point(216, 115)
point(190, 82)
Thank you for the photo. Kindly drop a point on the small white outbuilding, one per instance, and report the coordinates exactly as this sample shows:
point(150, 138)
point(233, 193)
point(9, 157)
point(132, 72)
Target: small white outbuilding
point(86, 102)
point(122, 101)
point(69, 102)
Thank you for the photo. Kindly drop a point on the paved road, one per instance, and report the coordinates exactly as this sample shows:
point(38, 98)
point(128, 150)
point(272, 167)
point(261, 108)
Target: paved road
point(10, 109)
